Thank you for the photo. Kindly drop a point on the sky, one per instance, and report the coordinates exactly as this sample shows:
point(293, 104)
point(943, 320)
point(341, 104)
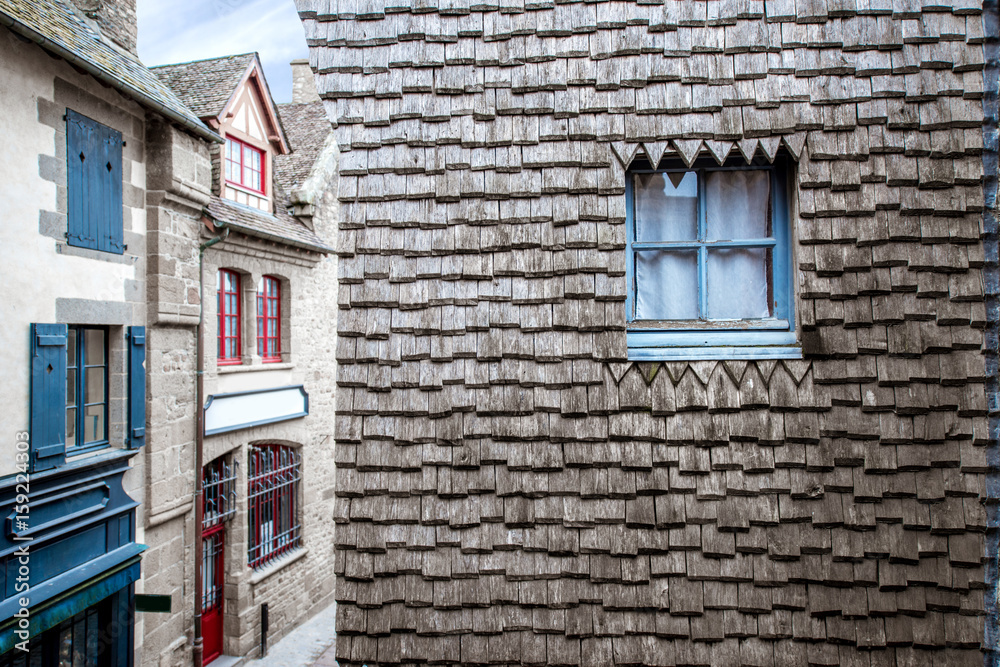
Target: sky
point(177, 31)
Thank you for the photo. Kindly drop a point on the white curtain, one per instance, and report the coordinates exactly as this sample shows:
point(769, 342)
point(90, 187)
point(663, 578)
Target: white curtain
point(736, 205)
point(667, 285)
point(666, 209)
point(738, 278)
point(666, 206)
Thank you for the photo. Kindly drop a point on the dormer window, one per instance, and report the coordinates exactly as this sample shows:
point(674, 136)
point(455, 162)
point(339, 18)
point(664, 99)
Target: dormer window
point(244, 165)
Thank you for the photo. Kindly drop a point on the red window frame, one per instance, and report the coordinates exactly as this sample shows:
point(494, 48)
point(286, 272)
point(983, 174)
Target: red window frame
point(230, 340)
point(269, 319)
point(238, 172)
point(272, 495)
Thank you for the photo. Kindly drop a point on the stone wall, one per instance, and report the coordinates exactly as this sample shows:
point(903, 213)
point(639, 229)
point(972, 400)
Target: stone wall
point(512, 489)
point(116, 19)
point(294, 587)
point(303, 83)
point(47, 280)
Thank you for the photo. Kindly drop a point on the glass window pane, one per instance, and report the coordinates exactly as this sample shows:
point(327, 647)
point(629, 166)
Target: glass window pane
point(93, 423)
point(95, 391)
point(70, 387)
point(94, 346)
point(80, 642)
point(92, 640)
point(739, 284)
point(66, 647)
point(736, 205)
point(666, 206)
point(71, 348)
point(71, 427)
point(666, 285)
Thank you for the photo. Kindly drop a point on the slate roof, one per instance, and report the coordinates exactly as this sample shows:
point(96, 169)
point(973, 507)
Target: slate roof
point(279, 226)
point(307, 127)
point(56, 27)
point(510, 488)
point(206, 85)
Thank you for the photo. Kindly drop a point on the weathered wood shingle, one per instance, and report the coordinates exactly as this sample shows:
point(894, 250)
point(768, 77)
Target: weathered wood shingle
point(512, 489)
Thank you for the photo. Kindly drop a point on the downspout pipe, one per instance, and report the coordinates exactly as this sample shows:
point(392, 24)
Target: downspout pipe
point(199, 447)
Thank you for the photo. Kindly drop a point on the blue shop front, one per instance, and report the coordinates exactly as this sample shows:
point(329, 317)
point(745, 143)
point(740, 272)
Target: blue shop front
point(68, 553)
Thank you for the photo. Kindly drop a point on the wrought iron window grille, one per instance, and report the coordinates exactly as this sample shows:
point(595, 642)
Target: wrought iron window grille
point(273, 487)
point(219, 485)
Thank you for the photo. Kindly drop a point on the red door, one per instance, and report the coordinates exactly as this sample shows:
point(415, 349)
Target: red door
point(213, 546)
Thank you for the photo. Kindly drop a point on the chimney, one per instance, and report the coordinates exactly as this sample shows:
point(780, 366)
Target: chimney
point(116, 19)
point(303, 83)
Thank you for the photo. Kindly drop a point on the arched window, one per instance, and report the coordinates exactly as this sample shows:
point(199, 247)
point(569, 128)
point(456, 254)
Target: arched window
point(272, 495)
point(228, 286)
point(269, 319)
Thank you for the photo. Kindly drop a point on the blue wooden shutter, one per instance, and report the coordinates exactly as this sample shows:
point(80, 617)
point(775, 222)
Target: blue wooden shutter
point(93, 185)
point(136, 387)
point(48, 395)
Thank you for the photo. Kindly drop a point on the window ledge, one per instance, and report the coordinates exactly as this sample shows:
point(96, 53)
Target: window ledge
point(64, 248)
point(247, 368)
point(651, 345)
point(713, 353)
point(278, 565)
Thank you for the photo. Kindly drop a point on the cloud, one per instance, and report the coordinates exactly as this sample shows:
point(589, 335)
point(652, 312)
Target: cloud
point(175, 31)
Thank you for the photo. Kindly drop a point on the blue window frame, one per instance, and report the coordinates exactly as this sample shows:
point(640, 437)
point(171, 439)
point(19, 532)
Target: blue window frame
point(709, 262)
point(86, 389)
point(71, 369)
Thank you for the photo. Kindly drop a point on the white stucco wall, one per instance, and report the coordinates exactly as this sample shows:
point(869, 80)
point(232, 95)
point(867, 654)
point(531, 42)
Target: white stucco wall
point(35, 272)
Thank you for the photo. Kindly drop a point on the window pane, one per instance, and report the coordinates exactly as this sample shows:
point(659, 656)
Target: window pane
point(666, 206)
point(94, 346)
point(71, 427)
point(66, 647)
point(736, 204)
point(739, 283)
point(95, 392)
point(70, 387)
point(93, 423)
point(666, 285)
point(71, 348)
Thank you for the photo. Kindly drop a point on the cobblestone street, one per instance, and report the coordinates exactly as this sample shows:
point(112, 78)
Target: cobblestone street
point(312, 643)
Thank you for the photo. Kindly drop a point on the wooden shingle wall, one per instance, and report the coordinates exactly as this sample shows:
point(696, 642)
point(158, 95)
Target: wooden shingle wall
point(511, 490)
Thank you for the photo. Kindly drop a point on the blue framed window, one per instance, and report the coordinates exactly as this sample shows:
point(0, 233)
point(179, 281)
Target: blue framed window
point(709, 265)
point(71, 369)
point(86, 389)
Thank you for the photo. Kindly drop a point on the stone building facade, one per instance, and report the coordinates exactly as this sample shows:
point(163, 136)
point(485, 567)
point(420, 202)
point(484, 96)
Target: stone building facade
point(543, 456)
point(80, 118)
point(268, 409)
